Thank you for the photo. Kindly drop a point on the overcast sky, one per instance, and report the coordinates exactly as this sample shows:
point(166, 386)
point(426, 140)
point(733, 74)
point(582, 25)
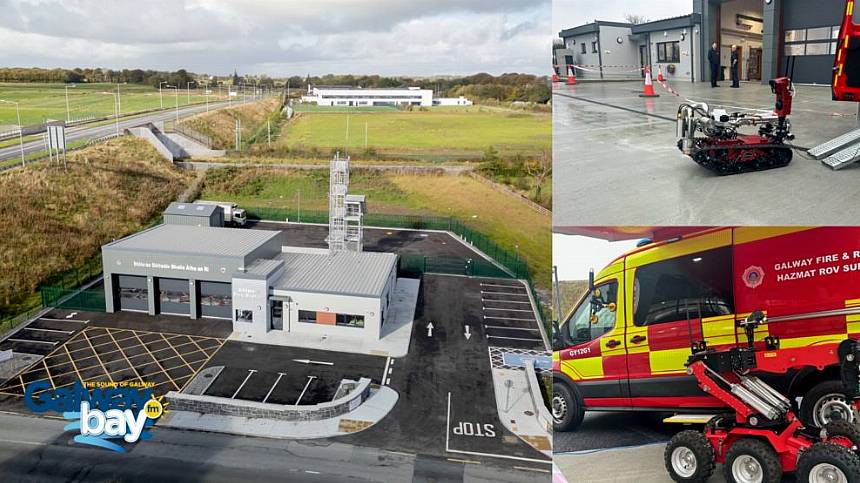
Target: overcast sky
point(572, 13)
point(575, 255)
point(280, 37)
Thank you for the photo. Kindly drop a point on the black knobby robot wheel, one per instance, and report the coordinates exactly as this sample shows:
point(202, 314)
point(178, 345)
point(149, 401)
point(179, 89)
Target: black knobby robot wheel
point(752, 461)
point(825, 462)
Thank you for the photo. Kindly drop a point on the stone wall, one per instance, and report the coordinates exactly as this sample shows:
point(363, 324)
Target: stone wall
point(251, 409)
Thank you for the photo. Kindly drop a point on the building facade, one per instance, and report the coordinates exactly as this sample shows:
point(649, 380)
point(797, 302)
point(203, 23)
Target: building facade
point(767, 33)
point(250, 277)
point(348, 96)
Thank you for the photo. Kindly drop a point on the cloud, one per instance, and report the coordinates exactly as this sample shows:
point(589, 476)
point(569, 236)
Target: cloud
point(420, 37)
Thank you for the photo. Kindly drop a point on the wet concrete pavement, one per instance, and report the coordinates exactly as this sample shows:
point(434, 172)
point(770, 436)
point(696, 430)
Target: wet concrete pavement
point(616, 161)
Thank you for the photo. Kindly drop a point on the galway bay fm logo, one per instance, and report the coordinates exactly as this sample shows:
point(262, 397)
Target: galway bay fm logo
point(101, 414)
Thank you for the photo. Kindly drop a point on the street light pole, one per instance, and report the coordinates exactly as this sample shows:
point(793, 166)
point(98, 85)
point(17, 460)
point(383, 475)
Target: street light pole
point(188, 91)
point(160, 97)
point(20, 129)
point(68, 116)
point(118, 101)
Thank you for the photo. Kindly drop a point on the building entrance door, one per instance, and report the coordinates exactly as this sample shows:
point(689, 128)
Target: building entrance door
point(277, 315)
point(643, 58)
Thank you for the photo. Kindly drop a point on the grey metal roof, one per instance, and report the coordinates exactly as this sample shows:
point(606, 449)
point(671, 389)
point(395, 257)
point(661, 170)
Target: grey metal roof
point(195, 240)
point(259, 268)
point(190, 209)
point(355, 198)
point(590, 28)
point(347, 273)
point(668, 23)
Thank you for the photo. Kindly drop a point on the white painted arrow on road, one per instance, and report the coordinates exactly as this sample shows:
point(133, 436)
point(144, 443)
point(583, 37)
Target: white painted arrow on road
point(430, 329)
point(468, 333)
point(308, 361)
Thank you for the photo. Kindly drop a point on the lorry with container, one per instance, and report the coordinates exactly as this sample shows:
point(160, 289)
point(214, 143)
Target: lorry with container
point(233, 215)
point(625, 345)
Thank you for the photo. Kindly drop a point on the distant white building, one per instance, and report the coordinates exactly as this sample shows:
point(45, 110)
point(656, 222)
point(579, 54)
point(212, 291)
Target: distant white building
point(357, 96)
point(451, 101)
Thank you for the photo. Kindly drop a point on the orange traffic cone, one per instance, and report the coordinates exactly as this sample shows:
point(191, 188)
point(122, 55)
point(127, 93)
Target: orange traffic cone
point(571, 77)
point(555, 73)
point(660, 73)
point(648, 90)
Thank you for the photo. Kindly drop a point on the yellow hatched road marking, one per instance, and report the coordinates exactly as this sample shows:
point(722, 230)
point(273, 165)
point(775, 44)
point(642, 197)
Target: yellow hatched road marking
point(154, 359)
point(97, 356)
point(126, 358)
point(47, 371)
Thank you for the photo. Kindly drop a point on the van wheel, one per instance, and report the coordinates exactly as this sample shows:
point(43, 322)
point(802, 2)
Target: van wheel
point(567, 408)
point(689, 457)
point(825, 402)
point(825, 462)
point(752, 461)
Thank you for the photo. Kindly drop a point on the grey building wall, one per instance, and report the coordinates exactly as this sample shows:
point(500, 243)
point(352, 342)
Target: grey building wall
point(215, 219)
point(778, 16)
point(625, 54)
point(165, 264)
point(804, 14)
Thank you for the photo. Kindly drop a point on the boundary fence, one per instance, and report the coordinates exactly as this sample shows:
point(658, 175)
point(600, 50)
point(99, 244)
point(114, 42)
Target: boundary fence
point(63, 290)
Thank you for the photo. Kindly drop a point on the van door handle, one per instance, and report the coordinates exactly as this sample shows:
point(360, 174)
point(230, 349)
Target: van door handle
point(638, 339)
point(612, 343)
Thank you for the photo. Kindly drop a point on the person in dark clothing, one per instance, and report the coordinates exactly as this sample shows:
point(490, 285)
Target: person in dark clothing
point(714, 60)
point(735, 67)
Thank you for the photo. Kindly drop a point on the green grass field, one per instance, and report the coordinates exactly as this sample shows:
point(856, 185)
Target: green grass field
point(39, 102)
point(516, 228)
point(445, 130)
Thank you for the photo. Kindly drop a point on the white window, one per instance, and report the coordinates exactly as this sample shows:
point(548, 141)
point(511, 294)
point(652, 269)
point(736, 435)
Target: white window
point(795, 49)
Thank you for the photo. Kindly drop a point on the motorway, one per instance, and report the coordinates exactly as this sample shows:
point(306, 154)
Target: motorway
point(37, 449)
point(87, 132)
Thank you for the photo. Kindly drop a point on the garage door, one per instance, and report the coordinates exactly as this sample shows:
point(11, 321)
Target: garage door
point(132, 293)
point(174, 296)
point(216, 299)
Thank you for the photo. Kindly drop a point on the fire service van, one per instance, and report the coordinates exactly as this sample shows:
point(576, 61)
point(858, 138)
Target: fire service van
point(625, 345)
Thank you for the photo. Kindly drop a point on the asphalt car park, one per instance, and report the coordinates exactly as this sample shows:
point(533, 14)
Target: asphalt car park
point(418, 242)
point(509, 318)
point(99, 354)
point(289, 375)
point(619, 146)
point(447, 404)
point(45, 334)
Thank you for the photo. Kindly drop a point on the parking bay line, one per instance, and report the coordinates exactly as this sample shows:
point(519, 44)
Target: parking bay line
point(508, 318)
point(310, 379)
point(509, 328)
point(505, 301)
point(502, 286)
point(250, 373)
point(506, 310)
point(34, 341)
point(506, 293)
point(63, 320)
point(280, 375)
point(511, 338)
point(490, 455)
point(50, 330)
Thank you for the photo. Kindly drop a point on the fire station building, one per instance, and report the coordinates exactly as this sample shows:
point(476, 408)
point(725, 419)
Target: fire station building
point(250, 277)
point(766, 32)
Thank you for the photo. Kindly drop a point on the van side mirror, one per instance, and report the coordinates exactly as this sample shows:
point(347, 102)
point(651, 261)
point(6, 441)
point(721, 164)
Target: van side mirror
point(557, 337)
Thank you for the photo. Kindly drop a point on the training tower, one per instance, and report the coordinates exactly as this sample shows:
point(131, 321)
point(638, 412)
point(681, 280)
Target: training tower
point(345, 232)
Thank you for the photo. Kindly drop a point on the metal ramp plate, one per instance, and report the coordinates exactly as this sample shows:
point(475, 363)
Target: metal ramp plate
point(835, 144)
point(843, 158)
point(689, 418)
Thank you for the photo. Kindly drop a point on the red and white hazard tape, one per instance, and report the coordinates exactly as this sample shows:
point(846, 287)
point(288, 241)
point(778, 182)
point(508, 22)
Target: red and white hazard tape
point(667, 87)
point(579, 67)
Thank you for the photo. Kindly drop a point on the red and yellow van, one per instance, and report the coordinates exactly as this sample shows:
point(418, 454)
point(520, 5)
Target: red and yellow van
point(624, 346)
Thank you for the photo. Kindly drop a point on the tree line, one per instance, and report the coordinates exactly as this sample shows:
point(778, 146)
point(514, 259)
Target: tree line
point(505, 88)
